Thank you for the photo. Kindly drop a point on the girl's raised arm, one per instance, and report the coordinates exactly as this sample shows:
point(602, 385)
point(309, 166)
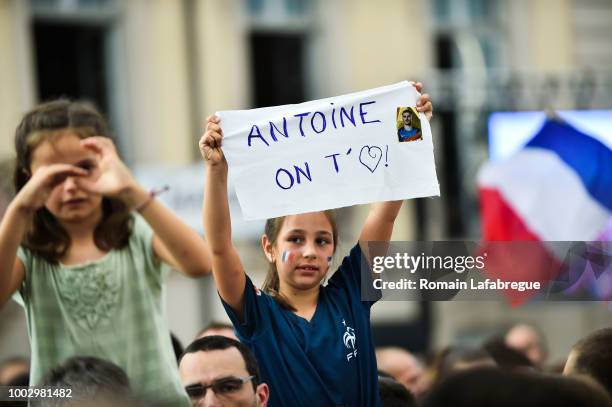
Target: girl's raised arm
point(378, 226)
point(12, 272)
point(17, 218)
point(174, 242)
point(379, 223)
point(227, 268)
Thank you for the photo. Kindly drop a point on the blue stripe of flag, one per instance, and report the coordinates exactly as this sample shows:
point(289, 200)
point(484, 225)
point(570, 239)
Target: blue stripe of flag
point(587, 156)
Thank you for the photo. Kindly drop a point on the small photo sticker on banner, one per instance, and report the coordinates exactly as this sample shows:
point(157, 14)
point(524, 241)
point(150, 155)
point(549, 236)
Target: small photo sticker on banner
point(408, 124)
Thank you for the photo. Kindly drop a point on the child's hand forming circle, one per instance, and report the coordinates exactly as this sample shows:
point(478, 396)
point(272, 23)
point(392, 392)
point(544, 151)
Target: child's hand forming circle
point(115, 178)
point(36, 191)
point(210, 142)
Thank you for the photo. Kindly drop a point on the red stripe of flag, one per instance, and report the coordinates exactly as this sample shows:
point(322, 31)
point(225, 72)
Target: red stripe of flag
point(514, 252)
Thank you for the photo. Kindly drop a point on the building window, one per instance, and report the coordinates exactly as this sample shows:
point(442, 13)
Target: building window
point(277, 64)
point(278, 41)
point(76, 54)
point(461, 24)
point(71, 62)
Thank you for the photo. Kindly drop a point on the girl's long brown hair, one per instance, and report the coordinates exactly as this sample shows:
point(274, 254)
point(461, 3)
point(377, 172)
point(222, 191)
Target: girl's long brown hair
point(46, 237)
point(271, 284)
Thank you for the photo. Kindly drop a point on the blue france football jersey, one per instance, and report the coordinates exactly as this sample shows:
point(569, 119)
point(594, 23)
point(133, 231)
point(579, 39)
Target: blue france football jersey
point(327, 361)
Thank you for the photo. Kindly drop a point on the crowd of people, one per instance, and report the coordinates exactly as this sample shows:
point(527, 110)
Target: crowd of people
point(216, 369)
point(86, 250)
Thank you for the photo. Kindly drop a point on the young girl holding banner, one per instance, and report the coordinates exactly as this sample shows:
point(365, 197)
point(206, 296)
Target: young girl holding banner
point(313, 343)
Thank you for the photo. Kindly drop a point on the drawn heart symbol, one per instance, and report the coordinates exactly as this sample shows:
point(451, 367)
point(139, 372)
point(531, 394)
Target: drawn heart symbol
point(370, 157)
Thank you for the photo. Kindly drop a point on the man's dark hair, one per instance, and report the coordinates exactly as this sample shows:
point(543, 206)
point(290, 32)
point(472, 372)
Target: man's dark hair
point(502, 388)
point(215, 325)
point(90, 378)
point(177, 346)
point(218, 342)
point(506, 357)
point(393, 394)
point(593, 357)
point(450, 358)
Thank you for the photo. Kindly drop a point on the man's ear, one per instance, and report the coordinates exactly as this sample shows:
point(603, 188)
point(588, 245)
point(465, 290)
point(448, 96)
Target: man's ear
point(267, 248)
point(262, 394)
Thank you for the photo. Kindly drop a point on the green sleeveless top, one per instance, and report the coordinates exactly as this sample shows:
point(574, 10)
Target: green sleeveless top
point(112, 308)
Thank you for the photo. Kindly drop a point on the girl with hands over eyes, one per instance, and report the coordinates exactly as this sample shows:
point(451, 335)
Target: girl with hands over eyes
point(86, 251)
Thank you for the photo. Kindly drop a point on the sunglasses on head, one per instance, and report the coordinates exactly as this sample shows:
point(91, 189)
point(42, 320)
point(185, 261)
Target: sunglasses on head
point(222, 386)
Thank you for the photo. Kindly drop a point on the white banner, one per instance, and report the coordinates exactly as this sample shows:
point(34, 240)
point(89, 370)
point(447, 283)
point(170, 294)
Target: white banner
point(352, 149)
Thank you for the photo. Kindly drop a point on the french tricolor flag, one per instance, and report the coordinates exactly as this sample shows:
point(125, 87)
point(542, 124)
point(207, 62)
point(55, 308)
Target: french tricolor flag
point(557, 188)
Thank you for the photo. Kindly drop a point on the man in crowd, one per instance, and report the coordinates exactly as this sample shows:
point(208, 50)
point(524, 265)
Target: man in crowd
point(529, 341)
point(220, 371)
point(92, 381)
point(403, 367)
point(592, 356)
point(12, 369)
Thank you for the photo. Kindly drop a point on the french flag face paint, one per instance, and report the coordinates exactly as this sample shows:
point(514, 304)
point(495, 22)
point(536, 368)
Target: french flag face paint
point(287, 256)
point(329, 261)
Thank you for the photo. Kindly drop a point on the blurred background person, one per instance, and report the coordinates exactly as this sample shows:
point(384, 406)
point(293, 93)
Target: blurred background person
point(403, 367)
point(13, 370)
point(393, 394)
point(93, 382)
point(506, 357)
point(528, 340)
point(592, 356)
point(487, 387)
point(454, 359)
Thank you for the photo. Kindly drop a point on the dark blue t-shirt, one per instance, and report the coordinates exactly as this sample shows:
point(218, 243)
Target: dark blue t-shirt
point(328, 361)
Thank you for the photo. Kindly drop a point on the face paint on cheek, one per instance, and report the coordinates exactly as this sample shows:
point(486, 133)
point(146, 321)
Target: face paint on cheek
point(329, 261)
point(287, 255)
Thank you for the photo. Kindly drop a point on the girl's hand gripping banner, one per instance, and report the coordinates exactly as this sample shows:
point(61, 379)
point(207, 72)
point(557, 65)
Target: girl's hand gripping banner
point(352, 149)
